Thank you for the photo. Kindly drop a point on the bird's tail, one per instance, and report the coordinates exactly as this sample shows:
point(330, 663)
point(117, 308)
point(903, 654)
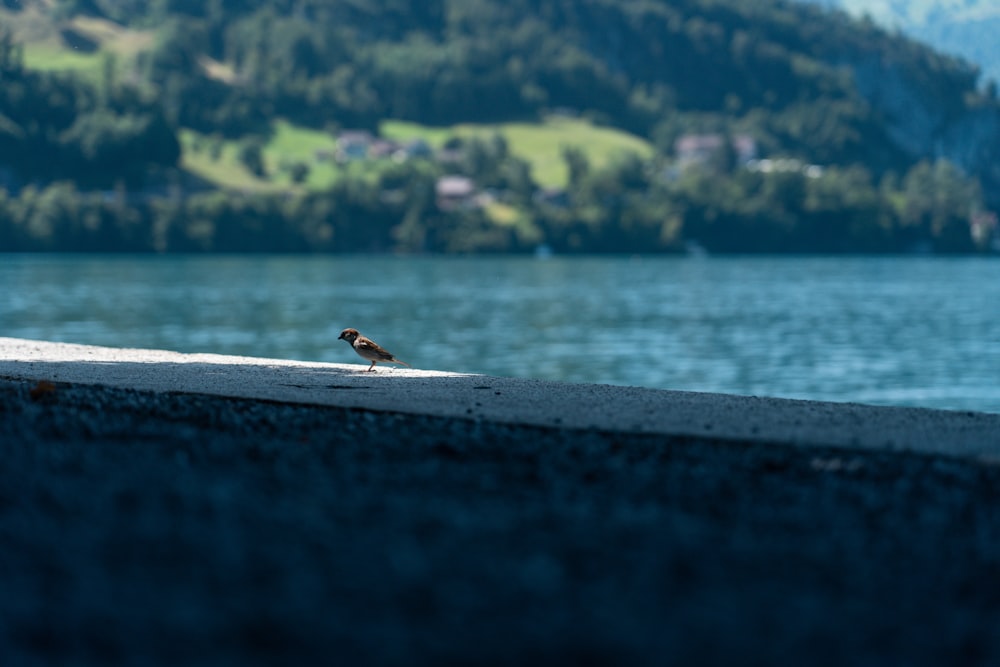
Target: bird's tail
point(397, 361)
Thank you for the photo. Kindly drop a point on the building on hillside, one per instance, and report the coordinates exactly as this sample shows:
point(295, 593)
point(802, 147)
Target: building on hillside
point(700, 149)
point(785, 165)
point(984, 230)
point(381, 149)
point(453, 192)
point(353, 145)
point(415, 148)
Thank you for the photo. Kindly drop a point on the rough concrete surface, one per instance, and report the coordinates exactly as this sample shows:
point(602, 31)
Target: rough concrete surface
point(151, 522)
point(511, 400)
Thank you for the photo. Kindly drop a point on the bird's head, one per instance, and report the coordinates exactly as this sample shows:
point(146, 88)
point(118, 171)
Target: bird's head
point(350, 335)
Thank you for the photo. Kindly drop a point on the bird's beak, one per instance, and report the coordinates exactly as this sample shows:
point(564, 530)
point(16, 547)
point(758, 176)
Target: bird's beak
point(340, 337)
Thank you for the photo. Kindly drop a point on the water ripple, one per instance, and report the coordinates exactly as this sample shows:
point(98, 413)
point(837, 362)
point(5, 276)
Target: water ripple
point(906, 331)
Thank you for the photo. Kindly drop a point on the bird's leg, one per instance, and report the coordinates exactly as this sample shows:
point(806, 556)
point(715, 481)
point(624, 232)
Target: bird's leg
point(372, 367)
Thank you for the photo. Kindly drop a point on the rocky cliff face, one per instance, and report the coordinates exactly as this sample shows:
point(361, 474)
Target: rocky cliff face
point(927, 124)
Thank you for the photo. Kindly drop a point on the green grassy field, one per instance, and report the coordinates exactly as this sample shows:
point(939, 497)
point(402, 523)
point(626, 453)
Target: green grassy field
point(46, 47)
point(540, 144)
point(50, 57)
point(217, 160)
point(291, 144)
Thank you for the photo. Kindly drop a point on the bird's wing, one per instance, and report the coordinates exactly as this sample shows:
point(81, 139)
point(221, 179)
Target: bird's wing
point(373, 348)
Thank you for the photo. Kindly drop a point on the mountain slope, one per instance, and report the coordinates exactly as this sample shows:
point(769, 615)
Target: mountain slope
point(852, 118)
point(965, 28)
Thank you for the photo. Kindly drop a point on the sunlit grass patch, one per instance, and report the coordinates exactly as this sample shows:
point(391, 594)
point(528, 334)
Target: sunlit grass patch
point(51, 57)
point(293, 142)
point(540, 144)
point(113, 37)
point(80, 45)
point(503, 214)
point(217, 160)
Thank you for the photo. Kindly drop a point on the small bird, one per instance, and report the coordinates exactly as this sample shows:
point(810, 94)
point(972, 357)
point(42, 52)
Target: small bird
point(369, 349)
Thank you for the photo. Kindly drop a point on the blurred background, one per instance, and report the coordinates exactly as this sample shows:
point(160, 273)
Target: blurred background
point(776, 198)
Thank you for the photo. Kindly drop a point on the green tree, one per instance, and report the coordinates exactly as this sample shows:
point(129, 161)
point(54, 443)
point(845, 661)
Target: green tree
point(251, 156)
point(299, 172)
point(577, 164)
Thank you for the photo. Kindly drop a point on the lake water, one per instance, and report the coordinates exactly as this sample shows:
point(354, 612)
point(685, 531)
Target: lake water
point(902, 331)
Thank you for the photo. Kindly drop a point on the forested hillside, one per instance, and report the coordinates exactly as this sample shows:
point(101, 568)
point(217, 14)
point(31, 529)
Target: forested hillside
point(654, 68)
point(849, 118)
point(58, 127)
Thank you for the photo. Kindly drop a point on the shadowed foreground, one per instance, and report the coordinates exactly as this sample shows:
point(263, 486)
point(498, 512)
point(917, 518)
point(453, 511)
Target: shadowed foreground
point(168, 528)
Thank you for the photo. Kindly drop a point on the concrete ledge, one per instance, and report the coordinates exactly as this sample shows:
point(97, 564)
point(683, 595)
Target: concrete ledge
point(513, 401)
point(426, 518)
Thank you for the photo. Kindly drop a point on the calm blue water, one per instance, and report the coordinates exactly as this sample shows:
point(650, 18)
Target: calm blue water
point(904, 331)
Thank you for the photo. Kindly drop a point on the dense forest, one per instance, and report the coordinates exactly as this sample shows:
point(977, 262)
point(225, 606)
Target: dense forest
point(94, 162)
